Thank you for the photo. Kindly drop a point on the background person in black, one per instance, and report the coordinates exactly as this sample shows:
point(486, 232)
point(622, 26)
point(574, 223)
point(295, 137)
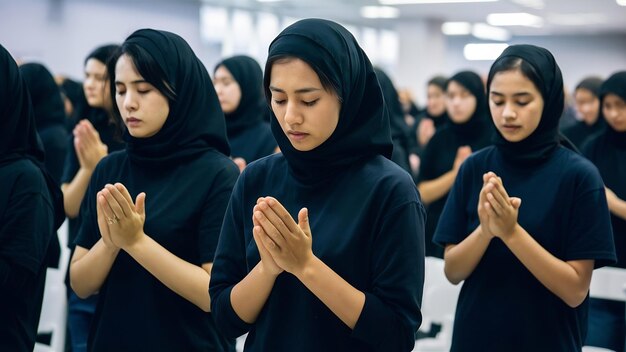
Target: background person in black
point(527, 269)
point(49, 115)
point(150, 259)
point(94, 136)
point(346, 273)
point(467, 131)
point(31, 210)
point(588, 107)
point(607, 150)
point(399, 129)
point(239, 85)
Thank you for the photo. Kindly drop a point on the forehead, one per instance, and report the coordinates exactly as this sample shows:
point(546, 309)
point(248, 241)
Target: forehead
point(94, 65)
point(512, 81)
point(125, 69)
point(293, 72)
point(222, 72)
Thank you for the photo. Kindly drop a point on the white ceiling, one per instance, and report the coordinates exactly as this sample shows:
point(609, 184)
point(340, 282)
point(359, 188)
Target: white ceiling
point(569, 17)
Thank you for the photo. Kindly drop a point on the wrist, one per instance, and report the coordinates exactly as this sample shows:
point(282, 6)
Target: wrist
point(264, 272)
point(308, 269)
point(511, 235)
point(137, 244)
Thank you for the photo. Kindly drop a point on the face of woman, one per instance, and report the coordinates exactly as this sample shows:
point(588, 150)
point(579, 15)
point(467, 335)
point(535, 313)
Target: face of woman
point(436, 100)
point(307, 113)
point(143, 108)
point(460, 103)
point(96, 85)
point(516, 105)
point(587, 105)
point(227, 89)
point(614, 111)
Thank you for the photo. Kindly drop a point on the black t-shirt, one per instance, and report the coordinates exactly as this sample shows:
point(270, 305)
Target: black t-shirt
point(502, 306)
point(253, 142)
point(367, 225)
point(610, 159)
point(437, 159)
point(184, 210)
point(26, 228)
point(579, 133)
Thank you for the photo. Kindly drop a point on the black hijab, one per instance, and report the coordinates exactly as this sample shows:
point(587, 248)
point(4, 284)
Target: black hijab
point(363, 129)
point(439, 120)
point(18, 133)
point(477, 127)
point(399, 129)
point(195, 123)
point(539, 145)
point(616, 84)
point(45, 95)
point(251, 109)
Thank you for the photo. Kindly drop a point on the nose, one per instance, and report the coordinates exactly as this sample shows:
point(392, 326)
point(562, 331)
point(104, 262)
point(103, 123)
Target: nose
point(130, 102)
point(293, 116)
point(508, 112)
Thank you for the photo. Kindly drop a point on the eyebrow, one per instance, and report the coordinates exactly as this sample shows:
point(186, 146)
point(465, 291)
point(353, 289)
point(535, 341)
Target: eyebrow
point(520, 94)
point(133, 82)
point(298, 91)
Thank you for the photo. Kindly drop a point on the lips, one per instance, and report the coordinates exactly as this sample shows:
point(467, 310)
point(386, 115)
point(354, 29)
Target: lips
point(132, 122)
point(297, 135)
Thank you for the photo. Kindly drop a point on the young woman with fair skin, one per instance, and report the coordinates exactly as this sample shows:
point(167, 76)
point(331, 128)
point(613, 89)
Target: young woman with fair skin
point(607, 150)
point(526, 220)
point(468, 130)
point(153, 211)
point(239, 85)
point(587, 104)
point(307, 261)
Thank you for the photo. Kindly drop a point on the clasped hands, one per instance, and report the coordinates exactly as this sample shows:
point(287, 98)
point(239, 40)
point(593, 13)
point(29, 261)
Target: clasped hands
point(496, 210)
point(283, 244)
point(119, 219)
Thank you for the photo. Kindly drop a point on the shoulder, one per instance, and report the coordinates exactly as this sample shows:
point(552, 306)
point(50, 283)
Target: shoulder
point(269, 164)
point(384, 178)
point(214, 164)
point(23, 173)
point(576, 169)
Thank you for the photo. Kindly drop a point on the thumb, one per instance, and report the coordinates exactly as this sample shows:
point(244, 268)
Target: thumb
point(140, 203)
point(303, 221)
point(516, 202)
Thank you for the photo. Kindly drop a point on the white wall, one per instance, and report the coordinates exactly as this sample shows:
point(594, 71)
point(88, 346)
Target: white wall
point(61, 33)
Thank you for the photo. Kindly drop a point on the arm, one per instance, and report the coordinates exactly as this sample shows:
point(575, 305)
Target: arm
point(89, 151)
point(461, 259)
point(569, 280)
point(617, 206)
point(125, 221)
point(90, 267)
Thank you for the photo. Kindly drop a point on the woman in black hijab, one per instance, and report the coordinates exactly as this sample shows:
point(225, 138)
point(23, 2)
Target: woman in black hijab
point(399, 129)
point(526, 221)
point(469, 130)
point(433, 117)
point(49, 115)
point(607, 151)
point(239, 85)
point(587, 101)
point(31, 210)
point(322, 245)
point(146, 243)
point(95, 134)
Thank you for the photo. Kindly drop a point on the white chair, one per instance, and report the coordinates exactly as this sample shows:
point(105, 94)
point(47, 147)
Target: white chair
point(607, 283)
point(54, 307)
point(438, 306)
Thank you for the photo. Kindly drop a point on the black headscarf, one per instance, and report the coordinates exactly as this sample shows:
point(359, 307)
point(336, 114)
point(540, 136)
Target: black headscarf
point(539, 145)
point(44, 94)
point(439, 120)
point(399, 129)
point(18, 133)
point(477, 127)
point(616, 84)
point(251, 109)
point(195, 122)
point(363, 129)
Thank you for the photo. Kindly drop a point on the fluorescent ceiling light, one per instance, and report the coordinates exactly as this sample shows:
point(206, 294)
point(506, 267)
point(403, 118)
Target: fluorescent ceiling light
point(487, 32)
point(483, 51)
point(379, 12)
point(514, 19)
point(456, 28)
point(577, 19)
point(269, 0)
point(621, 2)
point(416, 2)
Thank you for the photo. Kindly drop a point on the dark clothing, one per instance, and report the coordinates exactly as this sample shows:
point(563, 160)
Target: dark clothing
point(249, 133)
point(502, 306)
point(372, 239)
point(580, 132)
point(135, 310)
point(31, 209)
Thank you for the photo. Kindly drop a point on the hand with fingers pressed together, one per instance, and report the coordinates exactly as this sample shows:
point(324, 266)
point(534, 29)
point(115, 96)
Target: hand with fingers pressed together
point(287, 244)
point(499, 211)
point(89, 147)
point(122, 219)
